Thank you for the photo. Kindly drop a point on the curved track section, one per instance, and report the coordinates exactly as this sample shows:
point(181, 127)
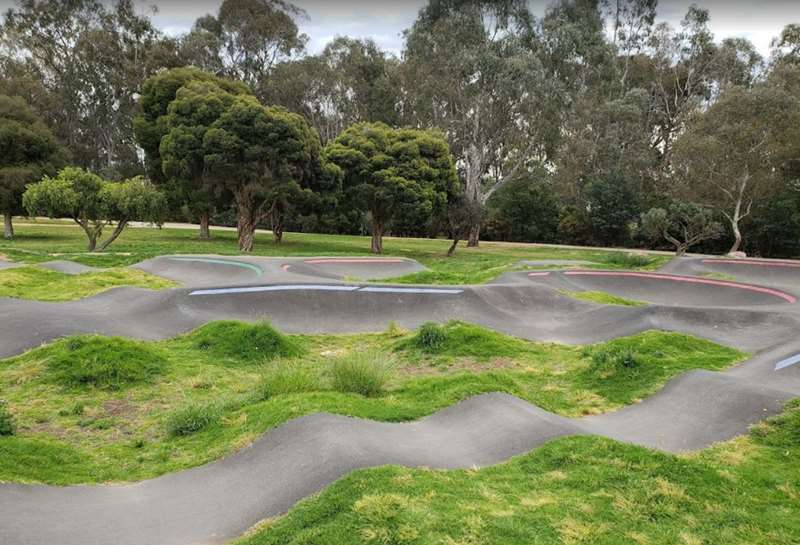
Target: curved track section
point(368, 268)
point(219, 501)
point(769, 272)
point(667, 289)
point(68, 267)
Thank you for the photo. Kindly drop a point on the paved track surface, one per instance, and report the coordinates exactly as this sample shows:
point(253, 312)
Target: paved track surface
point(68, 267)
point(767, 272)
point(219, 501)
point(8, 264)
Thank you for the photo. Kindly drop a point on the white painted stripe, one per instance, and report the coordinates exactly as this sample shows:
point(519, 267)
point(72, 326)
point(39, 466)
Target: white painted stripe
point(375, 289)
point(288, 287)
point(787, 362)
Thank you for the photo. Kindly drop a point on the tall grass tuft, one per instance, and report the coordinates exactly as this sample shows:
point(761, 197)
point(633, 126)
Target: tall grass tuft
point(110, 363)
point(7, 425)
point(193, 418)
point(431, 337)
point(364, 373)
point(627, 260)
point(286, 378)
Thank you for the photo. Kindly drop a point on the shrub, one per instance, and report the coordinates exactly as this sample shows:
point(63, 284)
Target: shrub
point(361, 373)
point(7, 425)
point(285, 378)
point(395, 330)
point(193, 418)
point(627, 260)
point(612, 360)
point(431, 337)
point(245, 342)
point(104, 362)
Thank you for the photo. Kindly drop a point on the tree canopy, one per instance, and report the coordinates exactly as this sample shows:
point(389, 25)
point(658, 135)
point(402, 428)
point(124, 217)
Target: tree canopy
point(28, 151)
point(393, 173)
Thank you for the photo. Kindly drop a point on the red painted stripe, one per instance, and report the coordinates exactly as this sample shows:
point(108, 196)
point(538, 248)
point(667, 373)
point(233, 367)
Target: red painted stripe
point(539, 273)
point(758, 262)
point(352, 260)
point(689, 280)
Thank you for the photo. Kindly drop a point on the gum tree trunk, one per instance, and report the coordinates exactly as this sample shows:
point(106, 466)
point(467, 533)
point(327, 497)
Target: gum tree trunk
point(377, 238)
point(474, 236)
point(8, 231)
point(277, 226)
point(245, 220)
point(205, 233)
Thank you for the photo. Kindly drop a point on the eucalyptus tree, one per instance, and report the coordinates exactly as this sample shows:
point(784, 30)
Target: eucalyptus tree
point(28, 151)
point(735, 154)
point(489, 94)
point(90, 58)
point(261, 155)
point(245, 39)
point(392, 173)
point(682, 224)
point(350, 81)
point(184, 177)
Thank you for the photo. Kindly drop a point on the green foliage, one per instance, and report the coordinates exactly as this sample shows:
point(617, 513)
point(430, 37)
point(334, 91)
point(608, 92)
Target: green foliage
point(626, 260)
point(109, 363)
point(431, 337)
point(287, 378)
point(393, 173)
point(193, 418)
point(524, 211)
point(7, 424)
point(363, 373)
point(683, 225)
point(93, 203)
point(244, 343)
point(28, 151)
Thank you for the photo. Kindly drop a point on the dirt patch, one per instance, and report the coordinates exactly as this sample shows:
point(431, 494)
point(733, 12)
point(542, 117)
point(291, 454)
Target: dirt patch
point(457, 366)
point(119, 408)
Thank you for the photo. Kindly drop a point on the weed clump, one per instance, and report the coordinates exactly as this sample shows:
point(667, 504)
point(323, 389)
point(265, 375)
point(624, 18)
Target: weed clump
point(252, 343)
point(363, 373)
point(193, 418)
point(431, 337)
point(611, 360)
point(285, 378)
point(7, 424)
point(627, 260)
point(110, 363)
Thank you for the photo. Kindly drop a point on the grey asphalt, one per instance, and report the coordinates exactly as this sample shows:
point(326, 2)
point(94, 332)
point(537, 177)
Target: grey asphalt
point(219, 501)
point(67, 267)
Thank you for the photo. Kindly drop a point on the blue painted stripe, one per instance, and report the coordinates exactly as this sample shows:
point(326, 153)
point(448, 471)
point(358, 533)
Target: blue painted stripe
point(375, 289)
point(255, 268)
point(290, 287)
point(787, 362)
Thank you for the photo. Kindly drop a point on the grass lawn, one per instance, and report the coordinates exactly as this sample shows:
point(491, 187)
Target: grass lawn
point(95, 409)
point(602, 298)
point(575, 490)
point(42, 284)
point(46, 242)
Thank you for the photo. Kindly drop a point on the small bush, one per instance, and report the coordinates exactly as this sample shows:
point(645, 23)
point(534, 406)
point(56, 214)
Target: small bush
point(252, 343)
point(104, 362)
point(285, 378)
point(627, 260)
point(193, 418)
point(7, 425)
point(361, 373)
point(615, 359)
point(431, 337)
point(394, 330)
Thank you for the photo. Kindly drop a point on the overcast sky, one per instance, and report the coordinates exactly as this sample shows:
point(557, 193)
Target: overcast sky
point(385, 20)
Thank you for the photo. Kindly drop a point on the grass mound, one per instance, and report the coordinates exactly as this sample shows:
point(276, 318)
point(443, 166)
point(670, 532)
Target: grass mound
point(193, 418)
point(602, 298)
point(285, 378)
point(45, 285)
point(460, 339)
point(103, 362)
point(251, 343)
point(364, 373)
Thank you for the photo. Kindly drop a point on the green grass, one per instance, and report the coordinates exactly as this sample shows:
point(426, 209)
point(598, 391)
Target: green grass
point(720, 276)
point(602, 298)
point(230, 340)
point(45, 285)
point(110, 363)
point(87, 434)
point(44, 242)
point(363, 373)
point(571, 491)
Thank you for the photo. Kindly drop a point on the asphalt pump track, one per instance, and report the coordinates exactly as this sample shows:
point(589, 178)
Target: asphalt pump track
point(221, 500)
